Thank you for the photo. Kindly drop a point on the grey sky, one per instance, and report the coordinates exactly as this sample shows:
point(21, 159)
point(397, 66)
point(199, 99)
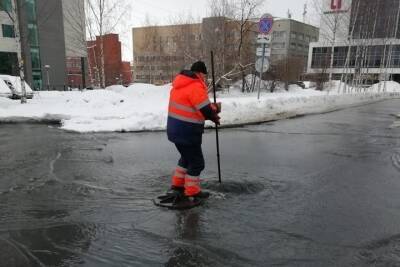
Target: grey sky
point(164, 11)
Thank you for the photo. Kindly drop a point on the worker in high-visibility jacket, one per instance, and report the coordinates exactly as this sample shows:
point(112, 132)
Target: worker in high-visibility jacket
point(189, 107)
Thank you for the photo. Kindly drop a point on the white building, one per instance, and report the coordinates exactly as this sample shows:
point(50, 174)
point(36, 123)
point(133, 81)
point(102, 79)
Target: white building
point(365, 37)
point(8, 46)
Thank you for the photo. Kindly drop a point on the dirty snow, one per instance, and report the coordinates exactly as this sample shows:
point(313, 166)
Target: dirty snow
point(144, 107)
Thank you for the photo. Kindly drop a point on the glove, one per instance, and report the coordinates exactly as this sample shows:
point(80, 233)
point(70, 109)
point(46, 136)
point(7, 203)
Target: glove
point(216, 107)
point(216, 119)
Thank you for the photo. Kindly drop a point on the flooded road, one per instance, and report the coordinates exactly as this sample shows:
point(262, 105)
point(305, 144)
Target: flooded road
point(322, 190)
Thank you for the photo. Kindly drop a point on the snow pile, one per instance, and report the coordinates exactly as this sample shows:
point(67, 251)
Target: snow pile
point(340, 87)
point(6, 103)
point(4, 90)
point(16, 82)
point(295, 102)
point(309, 84)
point(390, 87)
point(144, 107)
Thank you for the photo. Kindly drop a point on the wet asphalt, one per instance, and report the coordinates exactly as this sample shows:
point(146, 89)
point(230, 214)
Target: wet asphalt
point(321, 190)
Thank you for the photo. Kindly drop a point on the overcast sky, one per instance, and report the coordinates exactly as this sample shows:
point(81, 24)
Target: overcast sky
point(164, 11)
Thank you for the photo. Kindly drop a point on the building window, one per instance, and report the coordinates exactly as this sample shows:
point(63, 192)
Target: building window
point(293, 46)
point(293, 35)
point(8, 31)
point(37, 80)
point(31, 10)
point(5, 5)
point(320, 57)
point(300, 46)
point(33, 35)
point(278, 45)
point(279, 34)
point(9, 63)
point(35, 58)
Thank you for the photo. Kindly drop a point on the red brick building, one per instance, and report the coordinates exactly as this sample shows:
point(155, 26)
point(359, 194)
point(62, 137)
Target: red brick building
point(115, 70)
point(74, 72)
point(126, 71)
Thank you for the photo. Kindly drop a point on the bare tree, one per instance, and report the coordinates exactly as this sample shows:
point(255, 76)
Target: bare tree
point(233, 36)
point(395, 28)
point(13, 14)
point(75, 39)
point(151, 42)
point(75, 20)
point(334, 24)
point(218, 34)
point(288, 69)
point(103, 17)
point(186, 38)
point(246, 11)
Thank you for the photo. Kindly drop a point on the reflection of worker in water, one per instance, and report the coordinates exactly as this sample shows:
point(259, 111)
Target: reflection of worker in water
point(187, 228)
point(189, 107)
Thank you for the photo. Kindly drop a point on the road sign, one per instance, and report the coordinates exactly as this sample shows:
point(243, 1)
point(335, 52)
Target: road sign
point(264, 39)
point(265, 24)
point(259, 64)
point(267, 52)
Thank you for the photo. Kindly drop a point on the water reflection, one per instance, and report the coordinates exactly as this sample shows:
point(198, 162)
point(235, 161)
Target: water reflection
point(185, 252)
point(62, 245)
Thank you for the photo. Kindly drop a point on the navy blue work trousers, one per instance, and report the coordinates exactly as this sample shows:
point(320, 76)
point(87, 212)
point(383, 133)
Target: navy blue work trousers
point(191, 158)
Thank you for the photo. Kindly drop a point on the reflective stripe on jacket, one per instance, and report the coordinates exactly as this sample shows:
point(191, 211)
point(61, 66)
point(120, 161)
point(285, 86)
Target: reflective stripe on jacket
point(187, 97)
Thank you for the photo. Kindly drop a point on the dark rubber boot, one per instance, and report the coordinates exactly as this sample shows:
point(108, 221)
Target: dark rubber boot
point(200, 195)
point(177, 189)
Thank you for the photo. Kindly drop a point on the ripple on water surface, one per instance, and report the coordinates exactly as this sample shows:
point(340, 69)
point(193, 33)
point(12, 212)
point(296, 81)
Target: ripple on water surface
point(396, 160)
point(381, 252)
point(234, 187)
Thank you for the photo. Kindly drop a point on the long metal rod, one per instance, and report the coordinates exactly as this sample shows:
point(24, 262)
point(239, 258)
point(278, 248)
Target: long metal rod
point(216, 125)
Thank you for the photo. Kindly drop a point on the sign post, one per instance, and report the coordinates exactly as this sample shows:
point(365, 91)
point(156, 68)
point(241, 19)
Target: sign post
point(264, 38)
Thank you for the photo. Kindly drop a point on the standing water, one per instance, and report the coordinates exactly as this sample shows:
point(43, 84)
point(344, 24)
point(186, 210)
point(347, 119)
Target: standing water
point(321, 190)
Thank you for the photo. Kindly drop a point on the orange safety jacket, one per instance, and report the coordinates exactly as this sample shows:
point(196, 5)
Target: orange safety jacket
point(185, 118)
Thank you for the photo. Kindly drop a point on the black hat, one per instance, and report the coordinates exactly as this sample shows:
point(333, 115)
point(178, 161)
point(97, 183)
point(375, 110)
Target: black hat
point(199, 66)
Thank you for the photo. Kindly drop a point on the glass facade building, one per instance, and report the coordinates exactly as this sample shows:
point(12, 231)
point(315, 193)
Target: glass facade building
point(46, 38)
point(372, 43)
point(375, 56)
point(30, 7)
point(374, 19)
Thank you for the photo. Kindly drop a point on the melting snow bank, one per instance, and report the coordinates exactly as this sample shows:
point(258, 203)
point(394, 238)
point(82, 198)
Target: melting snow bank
point(142, 107)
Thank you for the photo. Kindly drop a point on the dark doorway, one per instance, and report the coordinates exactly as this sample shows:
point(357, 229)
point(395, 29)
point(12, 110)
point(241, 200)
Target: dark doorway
point(9, 63)
point(396, 77)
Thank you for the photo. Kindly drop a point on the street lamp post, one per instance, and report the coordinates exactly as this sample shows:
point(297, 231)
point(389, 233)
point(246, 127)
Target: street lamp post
point(47, 67)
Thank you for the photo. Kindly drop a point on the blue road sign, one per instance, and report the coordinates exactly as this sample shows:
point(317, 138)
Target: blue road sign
point(265, 24)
